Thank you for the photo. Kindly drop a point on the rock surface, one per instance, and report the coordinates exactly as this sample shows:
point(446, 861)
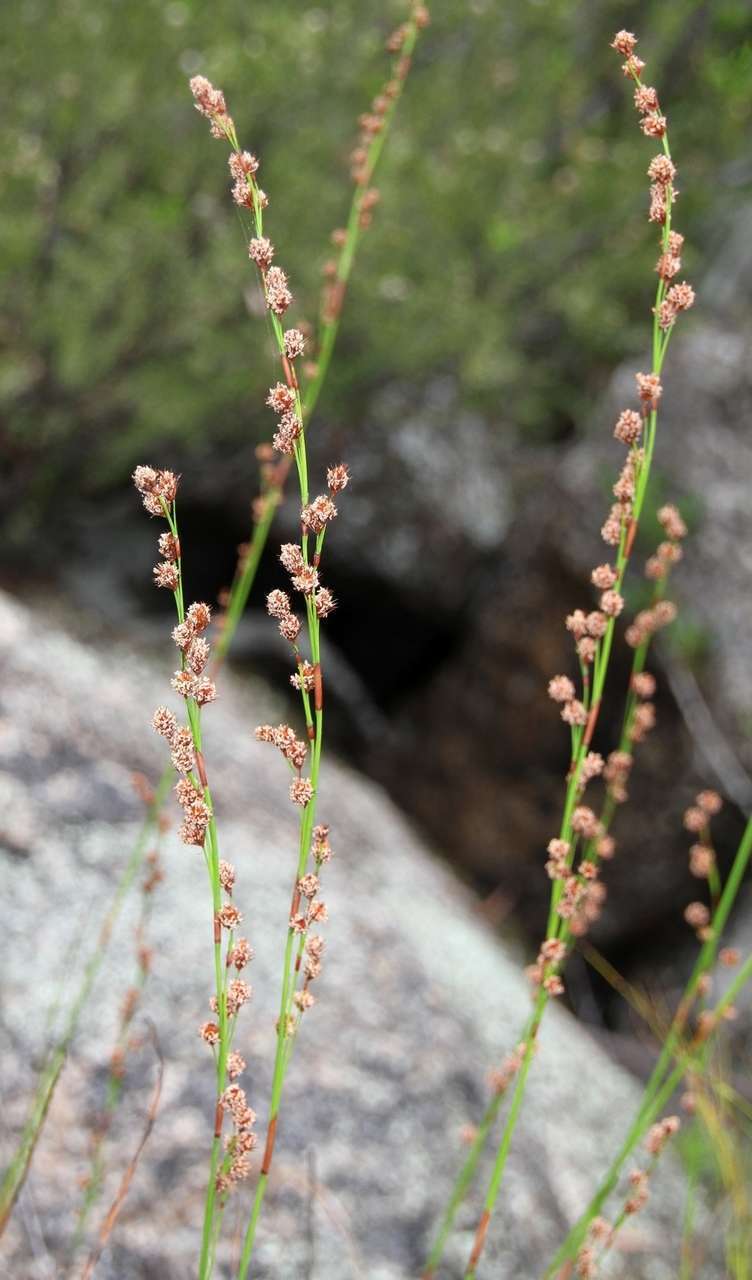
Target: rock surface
point(416, 1001)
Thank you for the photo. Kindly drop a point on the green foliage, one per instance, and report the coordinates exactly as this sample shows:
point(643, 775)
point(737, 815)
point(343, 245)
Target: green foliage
point(504, 248)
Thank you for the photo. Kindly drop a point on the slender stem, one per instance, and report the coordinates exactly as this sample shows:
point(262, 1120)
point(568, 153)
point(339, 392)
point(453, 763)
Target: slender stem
point(18, 1167)
point(581, 744)
point(115, 1081)
point(211, 852)
point(688, 1228)
point(656, 1084)
point(327, 338)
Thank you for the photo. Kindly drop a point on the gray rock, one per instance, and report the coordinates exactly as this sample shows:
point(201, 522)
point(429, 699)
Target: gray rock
point(417, 999)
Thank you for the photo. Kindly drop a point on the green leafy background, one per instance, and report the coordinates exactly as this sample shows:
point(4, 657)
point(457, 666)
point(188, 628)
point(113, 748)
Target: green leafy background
point(507, 249)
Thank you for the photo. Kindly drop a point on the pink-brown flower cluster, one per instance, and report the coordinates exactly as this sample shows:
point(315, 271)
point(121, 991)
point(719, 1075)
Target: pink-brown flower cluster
point(501, 1077)
point(702, 859)
point(158, 490)
point(236, 1166)
point(191, 681)
point(210, 102)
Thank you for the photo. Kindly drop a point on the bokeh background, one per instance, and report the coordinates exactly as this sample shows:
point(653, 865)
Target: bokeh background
point(500, 299)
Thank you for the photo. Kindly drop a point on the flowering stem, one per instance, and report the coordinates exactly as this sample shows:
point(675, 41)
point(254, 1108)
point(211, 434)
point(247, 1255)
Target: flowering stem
point(282, 1056)
point(211, 854)
point(556, 927)
point(582, 738)
point(329, 329)
point(93, 1184)
point(16, 1172)
point(657, 1089)
point(330, 319)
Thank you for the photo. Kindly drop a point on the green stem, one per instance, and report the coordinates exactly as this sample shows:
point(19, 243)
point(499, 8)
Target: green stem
point(244, 578)
point(16, 1172)
point(655, 1086)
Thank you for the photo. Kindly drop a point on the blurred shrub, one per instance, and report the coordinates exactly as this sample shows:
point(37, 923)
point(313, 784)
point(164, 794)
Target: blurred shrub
point(503, 251)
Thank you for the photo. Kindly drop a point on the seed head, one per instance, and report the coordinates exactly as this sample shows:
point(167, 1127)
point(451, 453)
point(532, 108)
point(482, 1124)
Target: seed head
point(574, 713)
point(184, 683)
point(289, 627)
point(337, 478)
point(661, 169)
point(164, 723)
point(710, 802)
point(695, 819)
point(294, 343)
point(241, 954)
point(643, 684)
point(668, 266)
point(288, 431)
point(672, 522)
point(301, 791)
point(145, 479)
point(236, 1065)
point(592, 766)
point(309, 886)
point(291, 557)
point(261, 251)
point(317, 515)
point(239, 993)
point(597, 624)
point(199, 615)
point(166, 575)
point(701, 861)
point(612, 603)
point(277, 604)
point(198, 655)
point(229, 917)
point(681, 296)
point(603, 577)
point(306, 580)
point(577, 623)
point(182, 755)
point(325, 602)
point(183, 634)
point(697, 915)
point(278, 296)
point(624, 43)
point(645, 98)
point(226, 875)
point(653, 125)
point(561, 689)
point(280, 398)
point(305, 679)
point(649, 388)
point(585, 823)
point(205, 691)
point(208, 101)
point(628, 427)
point(169, 547)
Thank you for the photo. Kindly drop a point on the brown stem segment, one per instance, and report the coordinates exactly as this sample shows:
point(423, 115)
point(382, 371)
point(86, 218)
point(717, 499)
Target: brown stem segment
point(591, 723)
point(631, 535)
point(480, 1240)
point(201, 768)
point(289, 373)
point(218, 1118)
point(266, 1163)
point(318, 688)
